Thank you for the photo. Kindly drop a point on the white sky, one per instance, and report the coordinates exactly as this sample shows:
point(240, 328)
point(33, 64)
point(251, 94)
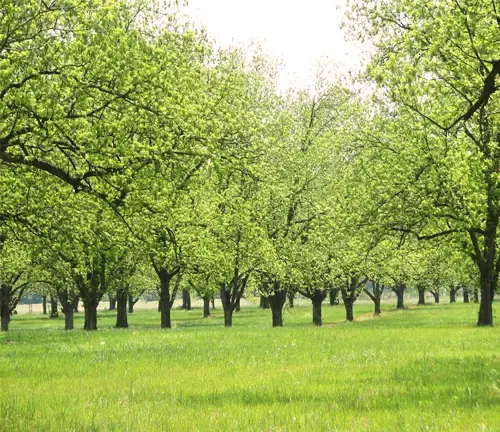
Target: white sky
point(298, 32)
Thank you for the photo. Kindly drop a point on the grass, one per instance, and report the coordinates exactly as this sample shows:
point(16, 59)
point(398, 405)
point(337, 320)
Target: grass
point(422, 369)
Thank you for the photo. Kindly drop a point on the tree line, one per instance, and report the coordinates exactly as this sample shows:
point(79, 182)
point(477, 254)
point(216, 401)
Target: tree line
point(137, 156)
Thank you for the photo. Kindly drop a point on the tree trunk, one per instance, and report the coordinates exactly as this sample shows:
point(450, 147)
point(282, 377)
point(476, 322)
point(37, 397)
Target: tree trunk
point(53, 307)
point(112, 302)
point(206, 307)
point(264, 302)
point(485, 317)
point(277, 300)
point(399, 289)
point(121, 311)
point(291, 297)
point(66, 300)
point(436, 296)
point(453, 295)
point(44, 304)
point(466, 295)
point(165, 302)
point(421, 296)
point(186, 299)
point(5, 294)
point(76, 300)
point(225, 297)
point(90, 305)
point(476, 296)
point(131, 304)
point(238, 305)
point(334, 296)
point(213, 302)
point(317, 299)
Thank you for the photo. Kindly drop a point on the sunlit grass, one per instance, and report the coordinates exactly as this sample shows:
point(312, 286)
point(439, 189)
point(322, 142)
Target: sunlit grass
point(426, 368)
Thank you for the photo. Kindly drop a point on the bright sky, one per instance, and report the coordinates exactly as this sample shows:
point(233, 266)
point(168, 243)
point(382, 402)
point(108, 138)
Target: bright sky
point(300, 33)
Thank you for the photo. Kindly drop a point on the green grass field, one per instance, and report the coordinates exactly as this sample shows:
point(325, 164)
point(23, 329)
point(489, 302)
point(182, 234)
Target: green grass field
point(426, 368)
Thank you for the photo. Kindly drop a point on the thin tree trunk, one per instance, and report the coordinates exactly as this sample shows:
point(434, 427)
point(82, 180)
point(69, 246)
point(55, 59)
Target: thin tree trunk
point(466, 296)
point(186, 299)
point(334, 296)
point(213, 302)
point(291, 297)
point(238, 305)
point(53, 307)
point(421, 296)
point(112, 302)
point(76, 300)
point(5, 297)
point(121, 311)
point(131, 303)
point(66, 300)
point(277, 300)
point(436, 296)
point(453, 295)
point(166, 304)
point(485, 317)
point(206, 307)
point(476, 296)
point(225, 297)
point(44, 304)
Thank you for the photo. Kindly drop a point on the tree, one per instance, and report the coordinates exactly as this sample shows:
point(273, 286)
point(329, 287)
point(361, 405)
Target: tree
point(437, 63)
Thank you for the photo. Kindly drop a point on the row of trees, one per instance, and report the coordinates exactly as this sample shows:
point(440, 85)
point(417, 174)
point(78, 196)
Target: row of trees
point(135, 155)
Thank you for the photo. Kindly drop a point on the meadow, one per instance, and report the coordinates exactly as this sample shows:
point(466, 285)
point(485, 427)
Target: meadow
point(422, 369)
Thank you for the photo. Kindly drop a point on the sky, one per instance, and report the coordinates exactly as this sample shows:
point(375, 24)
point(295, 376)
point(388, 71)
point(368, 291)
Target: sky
point(297, 32)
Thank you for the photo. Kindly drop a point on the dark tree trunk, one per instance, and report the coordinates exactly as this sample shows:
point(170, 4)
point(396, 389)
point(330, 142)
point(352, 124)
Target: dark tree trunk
point(238, 305)
point(334, 296)
point(159, 306)
point(264, 302)
point(399, 290)
point(291, 297)
point(349, 308)
point(436, 296)
point(67, 300)
point(165, 301)
point(375, 296)
point(112, 302)
point(453, 295)
point(277, 300)
point(76, 300)
point(5, 299)
point(131, 304)
point(90, 304)
point(225, 297)
point(44, 304)
point(121, 311)
point(485, 317)
point(466, 296)
point(206, 307)
point(186, 299)
point(317, 299)
point(476, 296)
point(213, 302)
point(53, 307)
point(421, 296)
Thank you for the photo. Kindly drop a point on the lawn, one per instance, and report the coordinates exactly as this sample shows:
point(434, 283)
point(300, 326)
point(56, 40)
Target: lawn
point(426, 368)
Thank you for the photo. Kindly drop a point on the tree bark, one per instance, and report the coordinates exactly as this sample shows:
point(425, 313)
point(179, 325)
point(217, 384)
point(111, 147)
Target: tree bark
point(53, 307)
point(436, 296)
point(399, 289)
point(165, 302)
point(421, 296)
point(334, 296)
point(112, 302)
point(206, 307)
point(317, 299)
point(238, 305)
point(131, 304)
point(291, 297)
point(213, 302)
point(225, 297)
point(476, 296)
point(277, 300)
point(90, 304)
point(186, 299)
point(453, 295)
point(76, 300)
point(67, 300)
point(5, 298)
point(466, 295)
point(121, 311)
point(44, 304)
